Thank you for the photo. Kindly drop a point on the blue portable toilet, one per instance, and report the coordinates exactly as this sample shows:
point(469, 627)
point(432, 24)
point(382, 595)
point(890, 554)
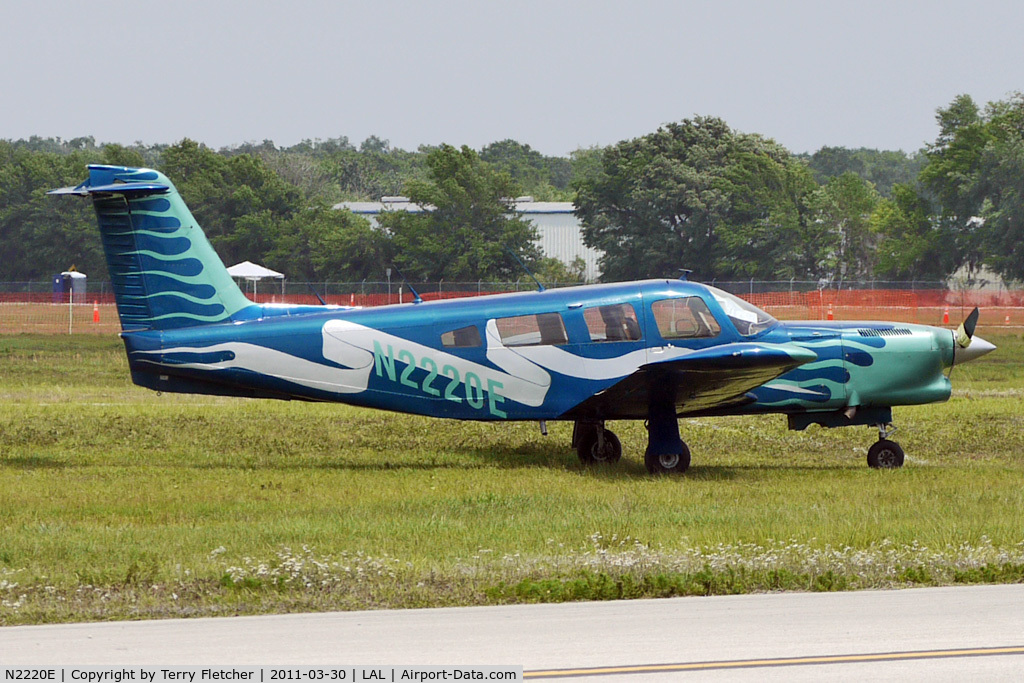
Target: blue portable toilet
point(70, 281)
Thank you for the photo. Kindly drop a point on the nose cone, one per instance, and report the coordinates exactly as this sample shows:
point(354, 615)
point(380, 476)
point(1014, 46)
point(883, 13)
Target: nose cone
point(978, 348)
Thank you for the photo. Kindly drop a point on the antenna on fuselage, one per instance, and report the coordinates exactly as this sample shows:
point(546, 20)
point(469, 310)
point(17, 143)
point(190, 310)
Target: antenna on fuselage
point(418, 299)
point(684, 274)
point(540, 287)
point(316, 293)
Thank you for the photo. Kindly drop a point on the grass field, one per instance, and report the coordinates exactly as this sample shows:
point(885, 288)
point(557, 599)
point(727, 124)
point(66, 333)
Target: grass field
point(117, 502)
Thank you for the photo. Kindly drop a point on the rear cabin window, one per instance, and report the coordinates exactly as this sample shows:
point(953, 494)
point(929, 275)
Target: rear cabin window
point(612, 323)
point(687, 318)
point(532, 330)
point(464, 337)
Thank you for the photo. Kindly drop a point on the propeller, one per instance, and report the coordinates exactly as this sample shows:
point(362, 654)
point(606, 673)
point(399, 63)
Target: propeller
point(965, 333)
point(967, 347)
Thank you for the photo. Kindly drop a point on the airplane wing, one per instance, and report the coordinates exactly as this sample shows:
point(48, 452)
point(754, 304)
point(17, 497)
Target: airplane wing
point(715, 377)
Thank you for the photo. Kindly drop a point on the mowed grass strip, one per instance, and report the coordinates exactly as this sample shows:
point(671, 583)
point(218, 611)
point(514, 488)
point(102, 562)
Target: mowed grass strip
point(118, 502)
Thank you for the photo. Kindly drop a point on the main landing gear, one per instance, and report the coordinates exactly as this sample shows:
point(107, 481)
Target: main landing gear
point(885, 454)
point(595, 444)
point(666, 452)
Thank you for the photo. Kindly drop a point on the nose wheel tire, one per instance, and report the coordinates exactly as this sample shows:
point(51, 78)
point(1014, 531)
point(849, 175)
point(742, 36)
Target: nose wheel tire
point(592, 451)
point(885, 455)
point(668, 463)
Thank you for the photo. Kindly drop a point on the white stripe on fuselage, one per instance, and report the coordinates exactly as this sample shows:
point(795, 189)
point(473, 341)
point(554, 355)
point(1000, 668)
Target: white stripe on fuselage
point(523, 373)
point(280, 365)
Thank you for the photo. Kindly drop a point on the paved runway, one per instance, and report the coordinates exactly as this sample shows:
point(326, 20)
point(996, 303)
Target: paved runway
point(921, 634)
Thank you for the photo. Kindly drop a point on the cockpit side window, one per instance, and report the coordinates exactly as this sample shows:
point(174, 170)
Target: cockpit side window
point(684, 318)
point(616, 322)
point(532, 330)
point(464, 337)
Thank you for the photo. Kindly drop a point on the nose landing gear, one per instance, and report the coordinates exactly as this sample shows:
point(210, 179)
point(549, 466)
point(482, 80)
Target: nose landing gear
point(885, 454)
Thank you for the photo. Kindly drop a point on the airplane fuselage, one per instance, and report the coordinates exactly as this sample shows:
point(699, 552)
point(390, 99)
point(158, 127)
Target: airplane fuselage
point(406, 358)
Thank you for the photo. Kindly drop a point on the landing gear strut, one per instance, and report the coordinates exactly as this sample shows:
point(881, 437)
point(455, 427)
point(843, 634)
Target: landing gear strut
point(595, 444)
point(666, 452)
point(885, 454)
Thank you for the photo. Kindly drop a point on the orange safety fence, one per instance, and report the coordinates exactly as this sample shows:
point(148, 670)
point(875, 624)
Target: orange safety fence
point(35, 312)
point(365, 300)
point(927, 307)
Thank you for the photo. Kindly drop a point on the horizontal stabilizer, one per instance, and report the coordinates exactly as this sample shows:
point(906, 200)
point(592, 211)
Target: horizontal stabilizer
point(135, 189)
point(79, 190)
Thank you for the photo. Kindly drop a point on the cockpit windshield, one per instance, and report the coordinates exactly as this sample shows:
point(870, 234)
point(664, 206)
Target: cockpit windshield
point(748, 318)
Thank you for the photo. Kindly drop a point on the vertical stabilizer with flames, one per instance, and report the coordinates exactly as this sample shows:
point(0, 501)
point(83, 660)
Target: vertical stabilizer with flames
point(164, 272)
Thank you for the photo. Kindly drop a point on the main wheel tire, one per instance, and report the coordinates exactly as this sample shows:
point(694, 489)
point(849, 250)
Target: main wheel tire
point(668, 463)
point(885, 455)
point(590, 454)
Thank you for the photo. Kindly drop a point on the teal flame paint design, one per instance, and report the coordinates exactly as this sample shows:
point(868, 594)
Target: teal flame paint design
point(164, 272)
point(822, 383)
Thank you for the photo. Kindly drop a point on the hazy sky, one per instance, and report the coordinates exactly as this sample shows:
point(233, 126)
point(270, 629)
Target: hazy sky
point(554, 75)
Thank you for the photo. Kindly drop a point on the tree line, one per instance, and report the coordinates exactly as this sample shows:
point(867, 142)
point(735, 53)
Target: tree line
point(700, 195)
point(273, 206)
point(694, 194)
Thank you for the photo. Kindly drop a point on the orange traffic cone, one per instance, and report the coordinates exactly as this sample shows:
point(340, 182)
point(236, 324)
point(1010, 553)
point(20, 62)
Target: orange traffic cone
point(1007, 321)
point(830, 316)
point(95, 311)
point(945, 316)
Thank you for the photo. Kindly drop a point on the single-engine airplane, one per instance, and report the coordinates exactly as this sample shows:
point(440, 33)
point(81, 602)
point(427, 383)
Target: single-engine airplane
point(655, 350)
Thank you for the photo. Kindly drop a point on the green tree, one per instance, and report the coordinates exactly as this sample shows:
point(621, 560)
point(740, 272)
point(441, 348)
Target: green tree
point(545, 178)
point(119, 155)
point(698, 195)
point(913, 243)
point(469, 223)
point(319, 244)
point(842, 209)
point(976, 172)
point(40, 235)
point(1002, 174)
point(586, 164)
point(374, 171)
point(550, 270)
point(953, 175)
point(881, 168)
point(240, 202)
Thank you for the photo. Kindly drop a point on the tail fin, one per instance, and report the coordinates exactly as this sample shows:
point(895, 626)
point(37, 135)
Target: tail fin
point(164, 272)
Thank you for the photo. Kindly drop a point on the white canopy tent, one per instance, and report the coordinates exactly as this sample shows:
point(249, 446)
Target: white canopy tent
point(253, 272)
